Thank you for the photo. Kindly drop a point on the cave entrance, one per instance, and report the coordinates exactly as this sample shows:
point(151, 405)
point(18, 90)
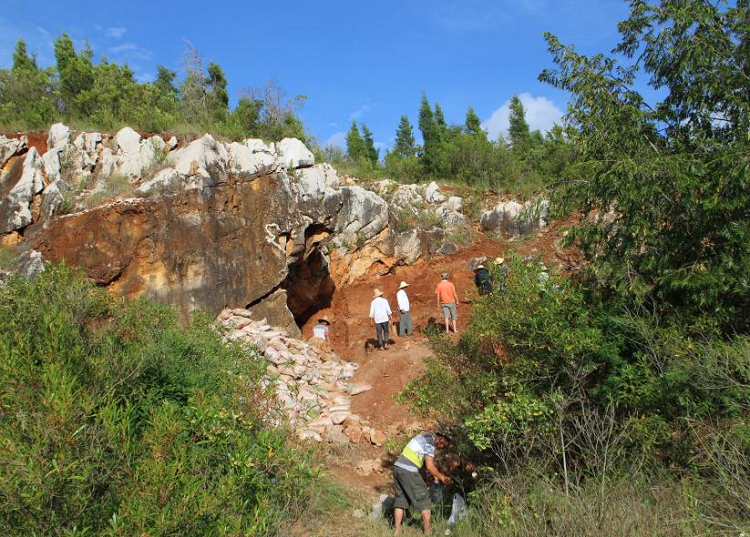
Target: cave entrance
point(309, 285)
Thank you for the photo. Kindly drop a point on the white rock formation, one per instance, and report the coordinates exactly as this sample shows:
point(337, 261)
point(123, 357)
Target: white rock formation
point(10, 147)
point(198, 156)
point(259, 146)
point(432, 193)
point(15, 208)
point(361, 213)
point(512, 218)
point(244, 160)
point(316, 181)
point(294, 154)
point(58, 137)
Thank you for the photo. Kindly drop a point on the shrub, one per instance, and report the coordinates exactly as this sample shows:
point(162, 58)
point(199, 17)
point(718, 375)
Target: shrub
point(115, 420)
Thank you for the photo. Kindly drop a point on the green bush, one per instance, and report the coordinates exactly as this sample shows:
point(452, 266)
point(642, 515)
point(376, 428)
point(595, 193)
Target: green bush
point(116, 420)
point(543, 358)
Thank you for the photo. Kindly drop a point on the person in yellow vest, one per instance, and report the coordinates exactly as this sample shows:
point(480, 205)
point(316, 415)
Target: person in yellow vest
point(410, 487)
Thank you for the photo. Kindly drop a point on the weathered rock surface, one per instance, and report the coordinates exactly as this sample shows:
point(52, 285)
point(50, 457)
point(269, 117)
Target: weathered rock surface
point(15, 209)
point(191, 250)
point(293, 154)
point(511, 218)
point(8, 148)
point(312, 384)
point(214, 225)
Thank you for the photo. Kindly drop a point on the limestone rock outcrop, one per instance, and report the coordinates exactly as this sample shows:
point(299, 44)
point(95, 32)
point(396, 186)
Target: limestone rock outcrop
point(208, 224)
point(511, 218)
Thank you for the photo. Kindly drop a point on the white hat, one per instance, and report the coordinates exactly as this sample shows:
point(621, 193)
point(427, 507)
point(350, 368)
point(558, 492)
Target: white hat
point(478, 266)
point(377, 293)
point(402, 285)
point(499, 260)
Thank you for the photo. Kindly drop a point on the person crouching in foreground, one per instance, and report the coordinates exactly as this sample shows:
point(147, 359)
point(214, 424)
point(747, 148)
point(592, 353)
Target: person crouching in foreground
point(410, 487)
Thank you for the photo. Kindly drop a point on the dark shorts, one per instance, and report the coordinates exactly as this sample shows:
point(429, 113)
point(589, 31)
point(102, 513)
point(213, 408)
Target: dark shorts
point(410, 490)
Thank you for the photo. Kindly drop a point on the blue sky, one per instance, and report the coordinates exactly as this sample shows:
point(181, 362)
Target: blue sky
point(368, 61)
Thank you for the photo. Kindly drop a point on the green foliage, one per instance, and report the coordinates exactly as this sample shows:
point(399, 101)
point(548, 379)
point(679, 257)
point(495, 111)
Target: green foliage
point(544, 356)
point(113, 187)
point(405, 146)
point(21, 59)
point(473, 125)
point(686, 251)
point(107, 96)
point(464, 155)
point(115, 420)
point(519, 132)
point(355, 145)
point(372, 154)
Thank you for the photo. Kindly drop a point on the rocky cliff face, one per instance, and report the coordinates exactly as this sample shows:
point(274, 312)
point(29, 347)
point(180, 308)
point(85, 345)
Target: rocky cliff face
point(207, 224)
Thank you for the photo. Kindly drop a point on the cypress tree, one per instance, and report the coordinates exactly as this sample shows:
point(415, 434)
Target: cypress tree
point(426, 121)
point(372, 154)
point(440, 125)
point(21, 59)
point(355, 145)
point(519, 132)
point(405, 146)
point(473, 125)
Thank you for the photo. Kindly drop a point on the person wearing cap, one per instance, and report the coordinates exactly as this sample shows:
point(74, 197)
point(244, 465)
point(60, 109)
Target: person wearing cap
point(405, 325)
point(321, 329)
point(447, 301)
point(482, 279)
point(411, 489)
point(380, 317)
point(502, 269)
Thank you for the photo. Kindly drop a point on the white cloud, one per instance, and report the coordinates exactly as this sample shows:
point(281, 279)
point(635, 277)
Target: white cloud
point(541, 114)
point(131, 51)
point(115, 32)
point(359, 112)
point(337, 139)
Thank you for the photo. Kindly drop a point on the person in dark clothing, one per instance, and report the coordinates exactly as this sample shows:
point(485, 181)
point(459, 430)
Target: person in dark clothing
point(483, 280)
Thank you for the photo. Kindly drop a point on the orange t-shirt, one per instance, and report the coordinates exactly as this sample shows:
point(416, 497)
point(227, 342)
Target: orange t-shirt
point(446, 292)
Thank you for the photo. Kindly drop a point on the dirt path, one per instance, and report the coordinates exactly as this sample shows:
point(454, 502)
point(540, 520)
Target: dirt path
point(389, 371)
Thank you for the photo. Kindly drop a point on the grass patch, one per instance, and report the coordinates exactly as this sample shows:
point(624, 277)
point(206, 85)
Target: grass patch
point(115, 186)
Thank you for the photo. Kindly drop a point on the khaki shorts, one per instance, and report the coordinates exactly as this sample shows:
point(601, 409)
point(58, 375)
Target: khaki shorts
point(449, 311)
point(410, 490)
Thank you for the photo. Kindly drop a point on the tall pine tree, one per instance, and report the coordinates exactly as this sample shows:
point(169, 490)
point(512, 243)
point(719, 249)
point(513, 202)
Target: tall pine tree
point(372, 154)
point(441, 127)
point(405, 145)
point(355, 145)
point(21, 59)
point(430, 135)
point(519, 132)
point(76, 72)
point(473, 125)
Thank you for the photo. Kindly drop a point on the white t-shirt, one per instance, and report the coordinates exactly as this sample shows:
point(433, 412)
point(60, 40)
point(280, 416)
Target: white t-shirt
point(320, 330)
point(380, 310)
point(403, 300)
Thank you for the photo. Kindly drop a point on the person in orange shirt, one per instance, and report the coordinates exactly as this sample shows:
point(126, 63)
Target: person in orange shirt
point(447, 301)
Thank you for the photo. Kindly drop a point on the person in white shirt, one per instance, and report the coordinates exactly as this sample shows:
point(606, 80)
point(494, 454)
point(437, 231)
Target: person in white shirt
point(405, 325)
point(321, 329)
point(380, 317)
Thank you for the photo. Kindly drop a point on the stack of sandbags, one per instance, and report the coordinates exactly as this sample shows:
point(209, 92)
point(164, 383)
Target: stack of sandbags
point(311, 382)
